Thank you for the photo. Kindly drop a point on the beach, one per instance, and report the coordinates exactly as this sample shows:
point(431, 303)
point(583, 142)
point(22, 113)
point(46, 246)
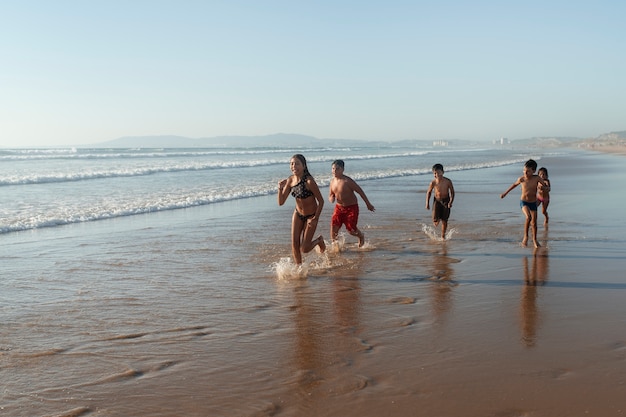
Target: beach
point(190, 312)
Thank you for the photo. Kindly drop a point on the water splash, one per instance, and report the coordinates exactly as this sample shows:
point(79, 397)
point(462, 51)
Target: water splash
point(286, 269)
point(435, 235)
point(340, 245)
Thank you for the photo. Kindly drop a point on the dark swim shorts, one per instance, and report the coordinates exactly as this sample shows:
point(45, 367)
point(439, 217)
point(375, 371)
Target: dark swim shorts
point(441, 210)
point(532, 206)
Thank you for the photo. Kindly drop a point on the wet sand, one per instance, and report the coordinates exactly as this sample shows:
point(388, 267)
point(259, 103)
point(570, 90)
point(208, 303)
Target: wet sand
point(190, 318)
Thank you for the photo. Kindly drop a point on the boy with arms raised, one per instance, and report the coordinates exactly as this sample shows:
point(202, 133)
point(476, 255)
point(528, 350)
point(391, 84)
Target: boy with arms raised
point(528, 201)
point(342, 190)
point(444, 196)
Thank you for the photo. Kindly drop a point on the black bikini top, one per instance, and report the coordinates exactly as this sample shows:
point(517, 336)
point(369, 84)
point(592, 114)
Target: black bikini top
point(299, 190)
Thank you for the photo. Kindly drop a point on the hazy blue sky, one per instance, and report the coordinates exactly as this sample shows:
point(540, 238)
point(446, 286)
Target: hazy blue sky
point(80, 72)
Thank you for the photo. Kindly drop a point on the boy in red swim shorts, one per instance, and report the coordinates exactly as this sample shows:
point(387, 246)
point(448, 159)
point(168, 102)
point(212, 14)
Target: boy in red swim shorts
point(342, 191)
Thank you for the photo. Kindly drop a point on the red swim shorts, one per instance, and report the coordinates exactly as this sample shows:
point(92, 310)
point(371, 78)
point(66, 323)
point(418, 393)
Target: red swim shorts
point(348, 215)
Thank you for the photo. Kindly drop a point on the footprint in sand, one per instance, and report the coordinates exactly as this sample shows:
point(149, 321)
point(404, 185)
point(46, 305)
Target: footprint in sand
point(402, 300)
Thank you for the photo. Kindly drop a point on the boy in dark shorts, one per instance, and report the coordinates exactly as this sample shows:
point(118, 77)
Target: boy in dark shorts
point(342, 191)
point(528, 201)
point(444, 196)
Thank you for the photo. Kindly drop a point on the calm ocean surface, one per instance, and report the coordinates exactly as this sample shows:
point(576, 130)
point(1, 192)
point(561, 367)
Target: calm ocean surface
point(143, 282)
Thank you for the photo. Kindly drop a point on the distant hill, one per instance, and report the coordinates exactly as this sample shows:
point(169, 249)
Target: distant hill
point(613, 136)
point(294, 140)
point(607, 142)
point(278, 140)
point(275, 140)
point(149, 142)
point(603, 140)
point(546, 142)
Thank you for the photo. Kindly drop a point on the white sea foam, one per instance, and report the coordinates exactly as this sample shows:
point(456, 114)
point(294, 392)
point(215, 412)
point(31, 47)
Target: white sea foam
point(25, 178)
point(53, 187)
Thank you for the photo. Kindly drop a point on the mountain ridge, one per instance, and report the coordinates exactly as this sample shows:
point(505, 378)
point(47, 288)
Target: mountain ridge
point(296, 140)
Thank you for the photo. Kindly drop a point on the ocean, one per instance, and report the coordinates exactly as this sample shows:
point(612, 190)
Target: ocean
point(55, 187)
point(152, 282)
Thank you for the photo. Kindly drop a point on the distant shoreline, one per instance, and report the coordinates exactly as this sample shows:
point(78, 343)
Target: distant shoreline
point(618, 149)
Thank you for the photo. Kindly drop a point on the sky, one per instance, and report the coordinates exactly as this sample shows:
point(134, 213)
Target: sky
point(82, 72)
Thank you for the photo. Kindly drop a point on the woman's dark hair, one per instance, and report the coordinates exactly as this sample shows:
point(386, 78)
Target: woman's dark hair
point(303, 160)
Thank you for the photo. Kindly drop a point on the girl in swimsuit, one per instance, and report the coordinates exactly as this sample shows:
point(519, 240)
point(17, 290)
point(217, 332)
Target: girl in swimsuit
point(309, 204)
point(543, 194)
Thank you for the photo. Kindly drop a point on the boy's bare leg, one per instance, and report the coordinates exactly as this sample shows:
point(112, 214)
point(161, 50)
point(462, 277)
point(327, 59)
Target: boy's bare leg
point(533, 224)
point(444, 227)
point(527, 215)
point(360, 235)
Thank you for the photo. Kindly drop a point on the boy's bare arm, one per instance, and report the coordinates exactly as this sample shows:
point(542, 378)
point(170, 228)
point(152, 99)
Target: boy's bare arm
point(515, 184)
point(429, 193)
point(360, 192)
point(451, 193)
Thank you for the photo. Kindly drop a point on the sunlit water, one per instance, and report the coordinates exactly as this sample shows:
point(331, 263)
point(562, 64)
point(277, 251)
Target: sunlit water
point(161, 283)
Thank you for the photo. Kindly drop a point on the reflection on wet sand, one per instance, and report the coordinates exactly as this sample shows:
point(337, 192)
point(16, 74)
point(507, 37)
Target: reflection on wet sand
point(347, 301)
point(442, 278)
point(535, 275)
point(308, 346)
point(326, 339)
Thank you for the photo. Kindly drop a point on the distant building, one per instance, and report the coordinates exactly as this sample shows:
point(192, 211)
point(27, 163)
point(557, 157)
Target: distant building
point(502, 141)
point(440, 143)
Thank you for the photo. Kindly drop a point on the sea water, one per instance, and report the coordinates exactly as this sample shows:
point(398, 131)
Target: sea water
point(55, 187)
point(160, 282)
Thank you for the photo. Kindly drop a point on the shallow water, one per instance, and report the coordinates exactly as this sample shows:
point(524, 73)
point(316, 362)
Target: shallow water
point(185, 312)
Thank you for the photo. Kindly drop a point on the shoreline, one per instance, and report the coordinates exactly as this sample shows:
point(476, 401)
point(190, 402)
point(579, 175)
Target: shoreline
point(179, 313)
point(616, 149)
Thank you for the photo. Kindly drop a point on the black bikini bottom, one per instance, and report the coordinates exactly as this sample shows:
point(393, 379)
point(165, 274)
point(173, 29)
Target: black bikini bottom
point(303, 217)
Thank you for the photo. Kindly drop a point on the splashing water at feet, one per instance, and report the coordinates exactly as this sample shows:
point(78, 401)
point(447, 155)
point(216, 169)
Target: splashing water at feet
point(338, 245)
point(367, 246)
point(286, 269)
point(435, 235)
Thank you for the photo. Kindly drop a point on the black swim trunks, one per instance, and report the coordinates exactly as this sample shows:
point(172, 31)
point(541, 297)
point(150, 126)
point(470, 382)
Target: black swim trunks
point(441, 210)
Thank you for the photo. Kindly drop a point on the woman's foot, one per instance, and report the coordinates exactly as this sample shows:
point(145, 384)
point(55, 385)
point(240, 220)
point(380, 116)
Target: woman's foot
point(321, 244)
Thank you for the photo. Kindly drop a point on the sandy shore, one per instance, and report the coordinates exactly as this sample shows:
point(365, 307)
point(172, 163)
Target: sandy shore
point(618, 149)
point(189, 318)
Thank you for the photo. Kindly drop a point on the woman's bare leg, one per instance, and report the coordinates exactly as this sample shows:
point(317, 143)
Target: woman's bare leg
point(296, 232)
point(307, 238)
